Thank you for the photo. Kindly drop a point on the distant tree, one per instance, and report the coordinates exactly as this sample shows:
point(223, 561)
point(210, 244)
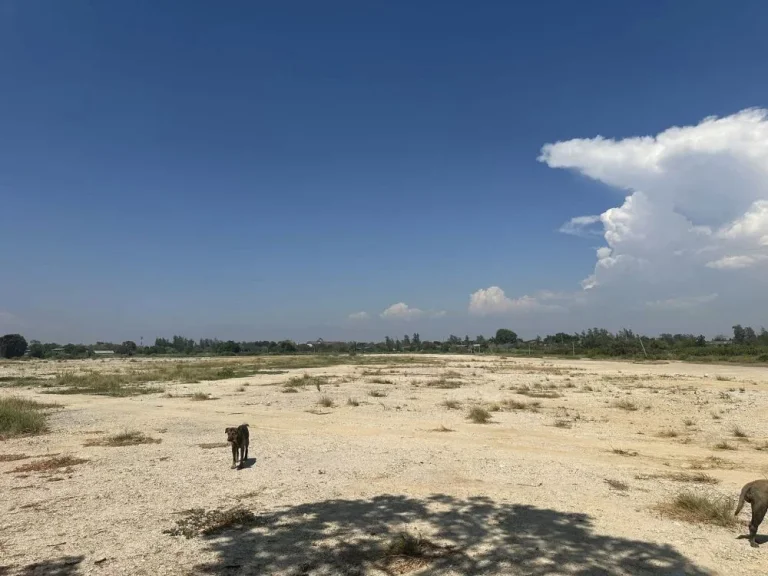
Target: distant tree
point(701, 341)
point(416, 341)
point(739, 334)
point(128, 347)
point(36, 349)
point(749, 335)
point(505, 336)
point(406, 341)
point(12, 346)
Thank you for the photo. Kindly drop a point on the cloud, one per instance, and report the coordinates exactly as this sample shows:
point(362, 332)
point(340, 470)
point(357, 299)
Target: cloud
point(493, 301)
point(359, 316)
point(401, 311)
point(735, 262)
point(580, 226)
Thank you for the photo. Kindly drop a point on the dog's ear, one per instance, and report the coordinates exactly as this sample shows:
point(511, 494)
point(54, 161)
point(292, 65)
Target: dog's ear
point(226, 430)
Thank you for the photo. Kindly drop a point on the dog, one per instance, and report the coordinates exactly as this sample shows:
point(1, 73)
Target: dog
point(238, 437)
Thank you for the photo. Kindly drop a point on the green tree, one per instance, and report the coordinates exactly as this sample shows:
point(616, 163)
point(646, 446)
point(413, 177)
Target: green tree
point(416, 341)
point(36, 349)
point(749, 335)
point(128, 347)
point(701, 341)
point(739, 334)
point(12, 346)
point(505, 336)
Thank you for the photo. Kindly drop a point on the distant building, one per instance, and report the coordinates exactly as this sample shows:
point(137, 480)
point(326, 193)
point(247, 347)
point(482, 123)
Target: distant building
point(104, 352)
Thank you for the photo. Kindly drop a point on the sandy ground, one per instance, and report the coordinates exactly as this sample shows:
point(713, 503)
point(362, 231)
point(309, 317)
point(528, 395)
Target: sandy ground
point(519, 495)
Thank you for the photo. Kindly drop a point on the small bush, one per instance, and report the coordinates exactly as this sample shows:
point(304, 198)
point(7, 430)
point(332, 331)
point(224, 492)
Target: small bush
point(452, 404)
point(694, 478)
point(724, 445)
point(689, 422)
point(352, 402)
point(19, 416)
point(444, 383)
point(738, 432)
point(622, 452)
point(200, 396)
point(562, 424)
point(625, 404)
point(479, 415)
point(225, 373)
point(380, 381)
point(325, 402)
point(377, 394)
point(517, 405)
point(669, 433)
point(701, 508)
point(441, 428)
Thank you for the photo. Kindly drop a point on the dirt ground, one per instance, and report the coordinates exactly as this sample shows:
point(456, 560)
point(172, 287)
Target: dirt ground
point(568, 487)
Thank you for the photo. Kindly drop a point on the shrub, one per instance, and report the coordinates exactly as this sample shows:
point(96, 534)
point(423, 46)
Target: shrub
point(479, 415)
point(19, 416)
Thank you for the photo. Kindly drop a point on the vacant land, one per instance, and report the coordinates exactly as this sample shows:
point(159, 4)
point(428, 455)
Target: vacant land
point(382, 465)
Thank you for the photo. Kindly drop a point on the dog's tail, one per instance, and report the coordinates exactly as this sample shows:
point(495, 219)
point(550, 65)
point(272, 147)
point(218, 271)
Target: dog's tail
point(742, 496)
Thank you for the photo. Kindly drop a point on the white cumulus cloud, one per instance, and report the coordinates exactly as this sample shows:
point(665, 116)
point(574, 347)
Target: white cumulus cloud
point(689, 229)
point(359, 316)
point(401, 311)
point(493, 301)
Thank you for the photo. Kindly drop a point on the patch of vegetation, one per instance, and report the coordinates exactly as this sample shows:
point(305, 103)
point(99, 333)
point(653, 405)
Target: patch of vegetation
point(452, 404)
point(724, 445)
point(622, 452)
point(511, 404)
point(50, 464)
point(700, 509)
point(380, 381)
point(693, 478)
point(479, 415)
point(201, 396)
point(130, 438)
point(212, 445)
point(625, 404)
point(722, 378)
point(711, 462)
point(689, 422)
point(199, 522)
point(441, 428)
point(119, 385)
point(241, 389)
point(12, 457)
point(19, 417)
point(306, 380)
point(668, 433)
point(738, 432)
point(21, 381)
point(444, 383)
point(537, 393)
point(377, 394)
point(325, 402)
point(562, 424)
point(406, 553)
point(352, 402)
point(617, 484)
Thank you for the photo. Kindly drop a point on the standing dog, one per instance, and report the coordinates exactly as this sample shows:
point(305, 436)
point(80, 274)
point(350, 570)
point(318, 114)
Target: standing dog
point(239, 439)
point(756, 493)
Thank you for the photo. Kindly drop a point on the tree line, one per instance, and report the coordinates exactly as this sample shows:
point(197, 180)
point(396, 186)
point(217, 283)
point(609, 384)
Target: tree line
point(745, 344)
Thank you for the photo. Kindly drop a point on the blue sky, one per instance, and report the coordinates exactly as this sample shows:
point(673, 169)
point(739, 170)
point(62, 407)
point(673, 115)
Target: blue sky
point(256, 170)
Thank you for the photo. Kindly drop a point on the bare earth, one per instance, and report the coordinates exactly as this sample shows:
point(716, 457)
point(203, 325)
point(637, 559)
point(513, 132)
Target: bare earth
point(329, 486)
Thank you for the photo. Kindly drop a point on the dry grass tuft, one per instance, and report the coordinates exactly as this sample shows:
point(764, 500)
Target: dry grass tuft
point(352, 402)
point(13, 457)
point(452, 404)
point(441, 428)
point(511, 404)
point(668, 433)
point(562, 424)
point(212, 445)
point(199, 522)
point(622, 452)
point(326, 402)
point(479, 415)
point(693, 478)
point(738, 432)
point(201, 396)
point(700, 509)
point(625, 404)
point(50, 464)
point(377, 394)
point(444, 383)
point(130, 438)
point(723, 445)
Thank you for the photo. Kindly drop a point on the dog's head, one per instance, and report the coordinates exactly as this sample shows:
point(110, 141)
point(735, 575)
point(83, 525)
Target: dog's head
point(231, 434)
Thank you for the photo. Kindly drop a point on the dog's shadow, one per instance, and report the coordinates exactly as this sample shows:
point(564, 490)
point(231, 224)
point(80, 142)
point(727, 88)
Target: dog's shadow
point(758, 539)
point(247, 463)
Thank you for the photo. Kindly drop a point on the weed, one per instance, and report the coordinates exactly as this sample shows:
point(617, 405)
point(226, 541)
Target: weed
point(444, 383)
point(19, 416)
point(722, 378)
point(562, 424)
point(452, 404)
point(325, 402)
point(352, 402)
point(700, 508)
point(198, 522)
point(441, 428)
point(241, 389)
point(100, 384)
point(377, 394)
point(625, 404)
point(50, 464)
point(715, 416)
point(380, 381)
point(724, 445)
point(511, 404)
point(12, 457)
point(200, 396)
point(212, 445)
point(738, 432)
point(622, 452)
point(479, 415)
point(694, 478)
point(131, 438)
point(689, 422)
point(711, 462)
point(668, 433)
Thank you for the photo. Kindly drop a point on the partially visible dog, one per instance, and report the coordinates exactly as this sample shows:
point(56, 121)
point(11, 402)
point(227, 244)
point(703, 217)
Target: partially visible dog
point(239, 439)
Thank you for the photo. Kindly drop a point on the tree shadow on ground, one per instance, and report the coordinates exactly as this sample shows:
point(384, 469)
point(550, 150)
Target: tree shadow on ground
point(347, 537)
point(64, 566)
